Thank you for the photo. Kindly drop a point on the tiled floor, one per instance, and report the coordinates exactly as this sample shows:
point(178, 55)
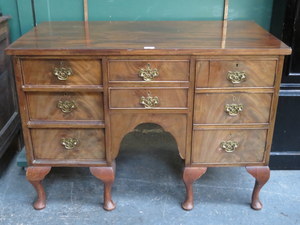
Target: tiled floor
point(148, 190)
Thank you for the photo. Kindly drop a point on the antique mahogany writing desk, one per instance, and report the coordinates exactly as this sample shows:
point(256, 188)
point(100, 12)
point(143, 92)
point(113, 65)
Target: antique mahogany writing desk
point(83, 86)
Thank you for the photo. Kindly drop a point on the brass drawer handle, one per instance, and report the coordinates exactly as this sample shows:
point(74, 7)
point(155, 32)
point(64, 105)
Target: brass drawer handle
point(69, 143)
point(149, 101)
point(66, 106)
point(62, 72)
point(236, 77)
point(229, 146)
point(147, 73)
point(233, 109)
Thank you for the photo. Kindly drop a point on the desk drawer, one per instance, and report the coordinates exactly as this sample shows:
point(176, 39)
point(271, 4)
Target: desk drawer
point(232, 108)
point(149, 98)
point(148, 70)
point(62, 72)
point(228, 146)
point(65, 106)
point(235, 73)
point(86, 144)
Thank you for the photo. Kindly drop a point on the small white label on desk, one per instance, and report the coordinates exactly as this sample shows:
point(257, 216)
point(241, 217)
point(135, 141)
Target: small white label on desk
point(149, 47)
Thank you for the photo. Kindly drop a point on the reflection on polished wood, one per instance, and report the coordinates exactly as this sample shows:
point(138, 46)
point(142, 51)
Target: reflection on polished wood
point(130, 37)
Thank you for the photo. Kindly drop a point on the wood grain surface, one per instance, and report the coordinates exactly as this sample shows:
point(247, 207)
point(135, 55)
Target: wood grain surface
point(47, 144)
point(210, 108)
point(133, 38)
point(44, 106)
point(40, 71)
point(207, 149)
point(128, 70)
point(130, 98)
point(213, 73)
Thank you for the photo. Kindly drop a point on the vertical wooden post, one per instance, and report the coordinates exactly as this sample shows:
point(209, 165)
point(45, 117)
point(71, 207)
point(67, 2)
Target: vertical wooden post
point(33, 13)
point(225, 14)
point(86, 24)
point(225, 17)
point(85, 10)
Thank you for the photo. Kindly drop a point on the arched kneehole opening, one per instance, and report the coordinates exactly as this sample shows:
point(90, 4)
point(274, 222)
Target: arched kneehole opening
point(149, 164)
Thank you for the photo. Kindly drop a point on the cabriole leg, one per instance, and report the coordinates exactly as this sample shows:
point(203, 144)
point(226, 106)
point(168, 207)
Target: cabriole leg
point(107, 176)
point(190, 174)
point(35, 175)
point(261, 175)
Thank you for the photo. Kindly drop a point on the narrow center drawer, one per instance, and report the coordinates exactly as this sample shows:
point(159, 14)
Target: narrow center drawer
point(68, 144)
point(62, 72)
point(149, 98)
point(148, 70)
point(65, 106)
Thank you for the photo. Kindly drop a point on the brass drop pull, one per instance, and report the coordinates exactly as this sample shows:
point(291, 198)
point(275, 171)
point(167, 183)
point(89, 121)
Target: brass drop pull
point(69, 143)
point(147, 73)
point(236, 77)
point(66, 106)
point(62, 72)
point(149, 101)
point(233, 109)
point(229, 146)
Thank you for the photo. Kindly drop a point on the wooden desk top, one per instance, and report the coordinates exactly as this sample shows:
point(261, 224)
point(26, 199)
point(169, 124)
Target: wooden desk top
point(131, 38)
